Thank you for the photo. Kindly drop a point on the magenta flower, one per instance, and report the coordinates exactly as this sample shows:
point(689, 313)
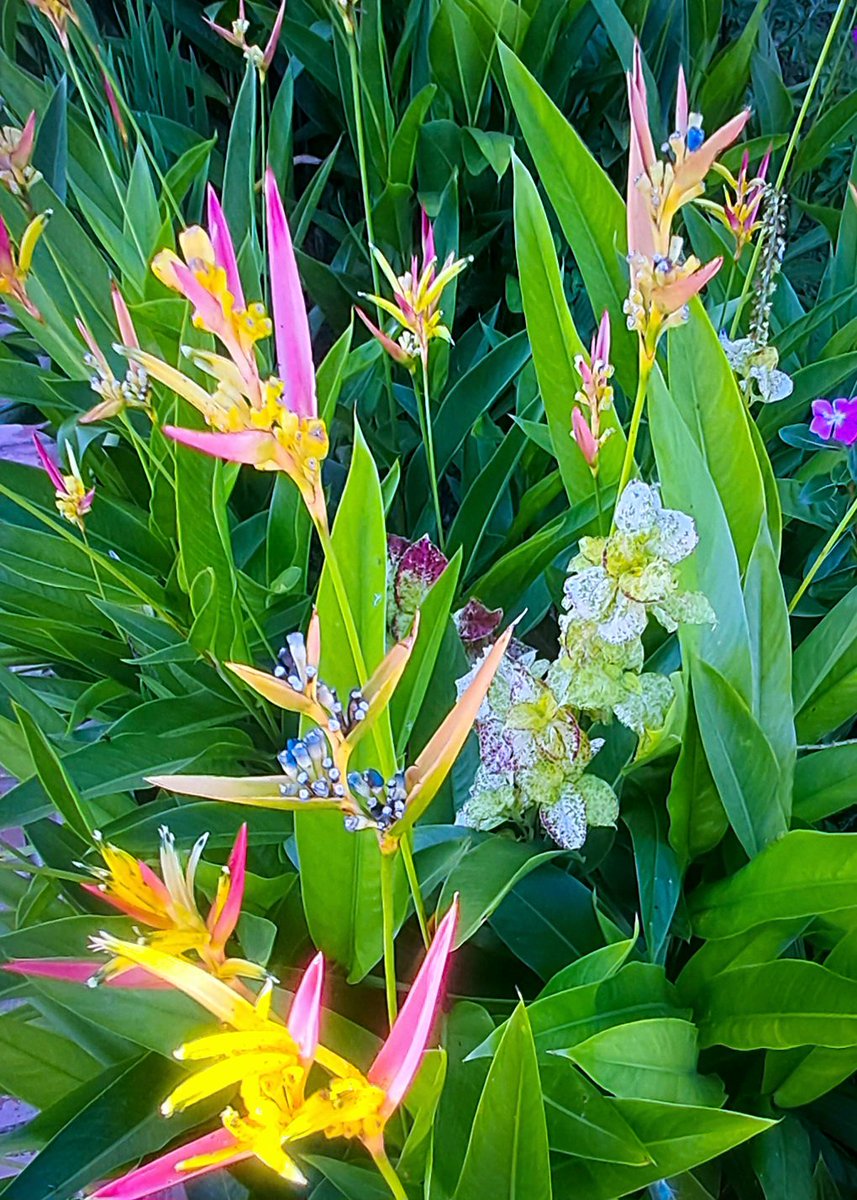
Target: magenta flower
point(836, 419)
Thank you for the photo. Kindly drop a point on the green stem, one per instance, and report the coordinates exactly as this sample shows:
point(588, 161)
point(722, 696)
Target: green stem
point(360, 137)
point(92, 564)
point(828, 547)
point(389, 1175)
point(424, 410)
point(730, 280)
point(646, 365)
point(596, 484)
point(388, 919)
point(414, 883)
point(790, 149)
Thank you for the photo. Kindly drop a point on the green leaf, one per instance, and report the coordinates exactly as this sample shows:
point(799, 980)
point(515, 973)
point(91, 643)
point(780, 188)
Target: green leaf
point(833, 129)
point(508, 1152)
point(825, 672)
point(584, 1122)
point(485, 874)
point(590, 210)
point(743, 763)
point(54, 778)
point(697, 818)
point(824, 782)
point(238, 175)
point(778, 1005)
point(648, 1060)
point(38, 1065)
point(805, 873)
point(50, 154)
point(678, 1137)
point(658, 874)
point(727, 78)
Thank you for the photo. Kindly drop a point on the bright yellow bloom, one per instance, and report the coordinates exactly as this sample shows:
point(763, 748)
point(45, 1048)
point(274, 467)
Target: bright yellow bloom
point(73, 501)
point(13, 273)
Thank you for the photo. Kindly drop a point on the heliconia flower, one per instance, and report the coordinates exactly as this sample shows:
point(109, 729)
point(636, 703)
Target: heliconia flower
point(595, 395)
point(359, 1106)
point(268, 1061)
point(59, 13)
point(115, 110)
point(404, 351)
point(314, 766)
point(416, 296)
point(662, 281)
point(237, 36)
point(740, 211)
point(836, 419)
point(116, 395)
point(14, 272)
point(73, 501)
point(17, 174)
point(79, 970)
point(271, 424)
point(312, 776)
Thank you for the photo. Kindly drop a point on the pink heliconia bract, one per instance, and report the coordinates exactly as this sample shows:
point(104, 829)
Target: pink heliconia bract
point(427, 238)
point(291, 324)
point(273, 40)
point(399, 1058)
point(305, 1012)
point(164, 1172)
point(392, 347)
point(79, 970)
point(583, 435)
point(50, 466)
point(224, 249)
point(222, 919)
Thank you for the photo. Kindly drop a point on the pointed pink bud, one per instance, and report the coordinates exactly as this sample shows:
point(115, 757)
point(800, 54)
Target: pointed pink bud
point(639, 106)
point(582, 434)
point(222, 31)
point(49, 465)
point(127, 332)
point(116, 112)
point(271, 48)
point(22, 153)
point(79, 970)
point(762, 173)
point(392, 347)
point(305, 1013)
point(164, 1172)
point(427, 234)
point(399, 1058)
point(291, 326)
point(224, 249)
point(7, 261)
point(93, 346)
point(681, 106)
point(675, 295)
point(223, 919)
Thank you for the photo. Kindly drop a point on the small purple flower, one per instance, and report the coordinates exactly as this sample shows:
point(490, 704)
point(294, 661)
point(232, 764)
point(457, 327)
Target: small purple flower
point(835, 419)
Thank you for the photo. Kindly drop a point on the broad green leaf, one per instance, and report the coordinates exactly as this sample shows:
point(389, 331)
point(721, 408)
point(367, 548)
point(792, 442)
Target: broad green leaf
point(590, 210)
point(727, 78)
point(678, 1137)
point(593, 967)
point(239, 172)
point(658, 874)
point(824, 782)
point(50, 154)
point(648, 1060)
point(743, 764)
point(54, 778)
point(37, 1065)
point(778, 1005)
point(697, 818)
point(585, 1123)
point(805, 873)
point(508, 1153)
point(825, 672)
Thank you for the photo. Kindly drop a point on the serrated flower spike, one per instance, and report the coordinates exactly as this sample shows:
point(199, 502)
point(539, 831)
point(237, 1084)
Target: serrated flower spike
point(17, 174)
point(662, 280)
point(166, 905)
point(315, 765)
point(740, 211)
point(59, 13)
point(312, 776)
point(359, 1106)
point(73, 501)
point(267, 1061)
point(237, 36)
point(14, 268)
point(269, 423)
point(116, 394)
point(594, 397)
point(416, 297)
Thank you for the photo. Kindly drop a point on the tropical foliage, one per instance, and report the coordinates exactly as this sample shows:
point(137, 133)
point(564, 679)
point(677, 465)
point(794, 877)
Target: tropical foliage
point(427, 736)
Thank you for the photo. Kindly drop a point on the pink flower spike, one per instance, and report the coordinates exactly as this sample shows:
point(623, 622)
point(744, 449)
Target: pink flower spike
point(582, 434)
point(49, 465)
point(249, 446)
point(291, 325)
point(427, 236)
point(305, 1013)
point(23, 151)
point(114, 107)
point(224, 916)
point(681, 105)
point(221, 31)
point(224, 249)
point(164, 1172)
point(93, 346)
point(127, 332)
point(762, 173)
point(7, 262)
point(271, 48)
point(399, 1058)
point(79, 970)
